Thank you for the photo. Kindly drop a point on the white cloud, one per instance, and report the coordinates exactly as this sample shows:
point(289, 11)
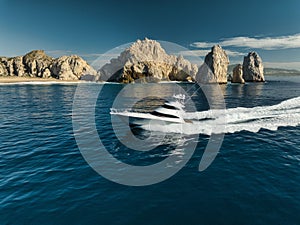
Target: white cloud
point(267, 43)
point(283, 65)
point(234, 53)
point(203, 52)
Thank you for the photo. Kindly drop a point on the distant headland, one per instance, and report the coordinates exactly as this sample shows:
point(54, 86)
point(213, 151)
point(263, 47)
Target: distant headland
point(37, 64)
point(144, 61)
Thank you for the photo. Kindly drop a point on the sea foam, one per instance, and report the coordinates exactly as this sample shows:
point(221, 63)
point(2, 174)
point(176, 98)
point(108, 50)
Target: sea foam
point(286, 113)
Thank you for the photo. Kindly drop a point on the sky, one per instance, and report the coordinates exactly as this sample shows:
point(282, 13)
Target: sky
point(91, 28)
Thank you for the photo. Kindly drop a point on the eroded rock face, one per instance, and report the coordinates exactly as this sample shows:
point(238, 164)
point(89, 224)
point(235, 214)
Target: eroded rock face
point(253, 70)
point(18, 66)
point(3, 70)
point(33, 64)
point(38, 64)
point(205, 75)
point(7, 65)
point(214, 69)
point(237, 76)
point(71, 68)
point(147, 61)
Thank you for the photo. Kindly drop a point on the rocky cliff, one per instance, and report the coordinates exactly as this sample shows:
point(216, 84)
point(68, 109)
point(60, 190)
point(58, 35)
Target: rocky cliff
point(214, 69)
point(71, 68)
point(237, 75)
point(143, 61)
point(147, 61)
point(38, 64)
point(253, 70)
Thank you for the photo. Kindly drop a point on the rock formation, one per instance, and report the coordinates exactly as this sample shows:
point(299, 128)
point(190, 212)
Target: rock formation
point(147, 61)
point(71, 68)
point(35, 64)
point(38, 64)
point(253, 70)
point(143, 61)
point(205, 75)
point(237, 75)
point(2, 68)
point(214, 69)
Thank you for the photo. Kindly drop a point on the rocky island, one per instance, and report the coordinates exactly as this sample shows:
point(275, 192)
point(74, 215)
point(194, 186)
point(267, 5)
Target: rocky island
point(144, 61)
point(147, 61)
point(37, 64)
point(237, 75)
point(253, 70)
point(215, 66)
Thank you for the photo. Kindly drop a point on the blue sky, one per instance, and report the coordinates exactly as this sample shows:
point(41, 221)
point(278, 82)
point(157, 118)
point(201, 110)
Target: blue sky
point(89, 28)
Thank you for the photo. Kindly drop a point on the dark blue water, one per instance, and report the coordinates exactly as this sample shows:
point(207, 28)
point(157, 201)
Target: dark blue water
point(44, 179)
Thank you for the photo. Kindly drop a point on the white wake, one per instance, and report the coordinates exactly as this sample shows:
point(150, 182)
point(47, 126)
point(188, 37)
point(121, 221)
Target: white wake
point(286, 113)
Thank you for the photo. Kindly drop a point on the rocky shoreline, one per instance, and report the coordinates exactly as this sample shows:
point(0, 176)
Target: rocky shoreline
point(16, 79)
point(144, 61)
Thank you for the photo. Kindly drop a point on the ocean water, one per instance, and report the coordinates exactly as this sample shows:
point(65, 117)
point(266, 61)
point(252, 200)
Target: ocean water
point(254, 179)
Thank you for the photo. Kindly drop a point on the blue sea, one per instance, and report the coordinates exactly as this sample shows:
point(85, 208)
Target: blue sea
point(45, 178)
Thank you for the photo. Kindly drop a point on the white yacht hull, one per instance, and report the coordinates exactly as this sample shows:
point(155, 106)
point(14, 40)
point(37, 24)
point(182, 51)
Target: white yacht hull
point(145, 118)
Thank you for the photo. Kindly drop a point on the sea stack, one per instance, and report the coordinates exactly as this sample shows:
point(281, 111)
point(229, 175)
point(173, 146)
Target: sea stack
point(253, 70)
point(237, 76)
point(214, 70)
point(146, 61)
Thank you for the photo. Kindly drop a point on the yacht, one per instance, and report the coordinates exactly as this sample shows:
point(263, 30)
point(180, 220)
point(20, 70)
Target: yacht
point(169, 112)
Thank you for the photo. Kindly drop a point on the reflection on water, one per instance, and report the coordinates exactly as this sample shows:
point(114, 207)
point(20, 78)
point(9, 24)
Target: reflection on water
point(242, 95)
point(37, 107)
point(43, 174)
point(251, 90)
